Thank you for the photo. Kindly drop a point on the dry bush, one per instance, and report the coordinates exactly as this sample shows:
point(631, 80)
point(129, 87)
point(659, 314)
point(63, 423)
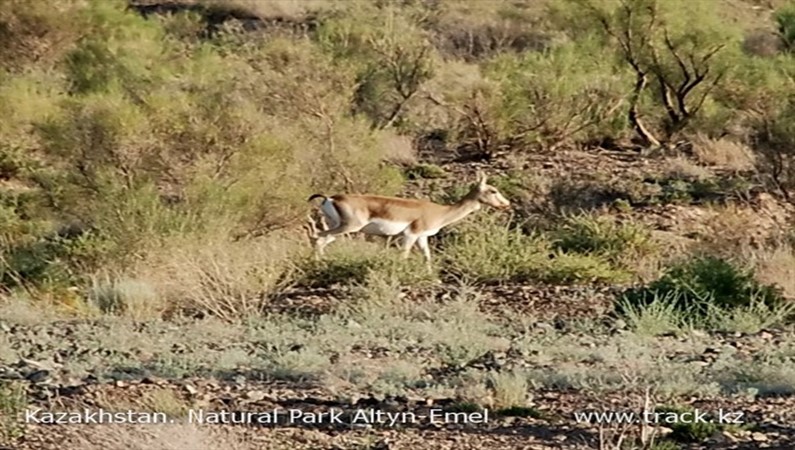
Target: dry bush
point(681, 168)
point(398, 149)
point(477, 30)
point(727, 229)
point(157, 437)
point(442, 105)
point(764, 43)
point(127, 297)
point(213, 276)
point(510, 389)
point(775, 265)
point(723, 152)
point(37, 31)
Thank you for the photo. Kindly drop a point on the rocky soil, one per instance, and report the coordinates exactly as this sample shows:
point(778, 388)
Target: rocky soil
point(53, 360)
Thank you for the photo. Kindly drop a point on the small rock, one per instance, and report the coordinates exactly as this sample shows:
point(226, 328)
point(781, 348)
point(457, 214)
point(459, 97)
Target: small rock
point(10, 374)
point(724, 437)
point(758, 437)
point(190, 389)
point(662, 431)
point(38, 376)
point(698, 333)
point(255, 396)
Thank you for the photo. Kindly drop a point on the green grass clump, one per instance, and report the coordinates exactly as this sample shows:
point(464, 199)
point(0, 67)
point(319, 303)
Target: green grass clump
point(352, 263)
point(589, 234)
point(700, 286)
point(492, 252)
point(785, 19)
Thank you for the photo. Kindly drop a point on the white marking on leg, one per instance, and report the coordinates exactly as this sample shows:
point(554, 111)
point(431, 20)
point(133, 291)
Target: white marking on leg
point(330, 213)
point(422, 242)
point(408, 241)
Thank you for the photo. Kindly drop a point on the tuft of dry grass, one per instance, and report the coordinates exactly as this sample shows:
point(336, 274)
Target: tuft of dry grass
point(684, 169)
point(723, 152)
point(24, 310)
point(229, 280)
point(398, 149)
point(776, 266)
point(129, 297)
point(510, 389)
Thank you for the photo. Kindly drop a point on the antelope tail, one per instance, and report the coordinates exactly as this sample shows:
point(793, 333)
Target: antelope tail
point(314, 196)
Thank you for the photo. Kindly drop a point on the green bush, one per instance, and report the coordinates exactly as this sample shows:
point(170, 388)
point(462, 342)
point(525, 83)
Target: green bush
point(589, 234)
point(785, 19)
point(700, 284)
point(391, 54)
point(348, 262)
point(539, 93)
point(491, 252)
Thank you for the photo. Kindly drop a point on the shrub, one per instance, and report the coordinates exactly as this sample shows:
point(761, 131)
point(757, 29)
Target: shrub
point(539, 91)
point(124, 296)
point(351, 262)
point(698, 284)
point(392, 56)
point(775, 142)
point(37, 30)
point(152, 140)
point(654, 318)
point(785, 19)
point(209, 275)
point(676, 50)
point(618, 242)
point(491, 251)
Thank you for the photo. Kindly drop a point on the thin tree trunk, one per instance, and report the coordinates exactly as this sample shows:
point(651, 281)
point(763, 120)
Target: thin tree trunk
point(634, 118)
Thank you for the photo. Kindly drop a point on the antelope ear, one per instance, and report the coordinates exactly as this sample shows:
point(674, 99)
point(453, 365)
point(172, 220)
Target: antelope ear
point(482, 178)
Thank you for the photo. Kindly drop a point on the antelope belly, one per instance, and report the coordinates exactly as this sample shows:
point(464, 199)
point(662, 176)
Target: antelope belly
point(384, 227)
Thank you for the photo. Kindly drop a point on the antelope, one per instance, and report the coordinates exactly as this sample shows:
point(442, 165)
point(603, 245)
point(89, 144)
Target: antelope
point(416, 220)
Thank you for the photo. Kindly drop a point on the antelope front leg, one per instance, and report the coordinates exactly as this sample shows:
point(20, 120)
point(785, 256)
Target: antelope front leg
point(422, 241)
point(408, 242)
